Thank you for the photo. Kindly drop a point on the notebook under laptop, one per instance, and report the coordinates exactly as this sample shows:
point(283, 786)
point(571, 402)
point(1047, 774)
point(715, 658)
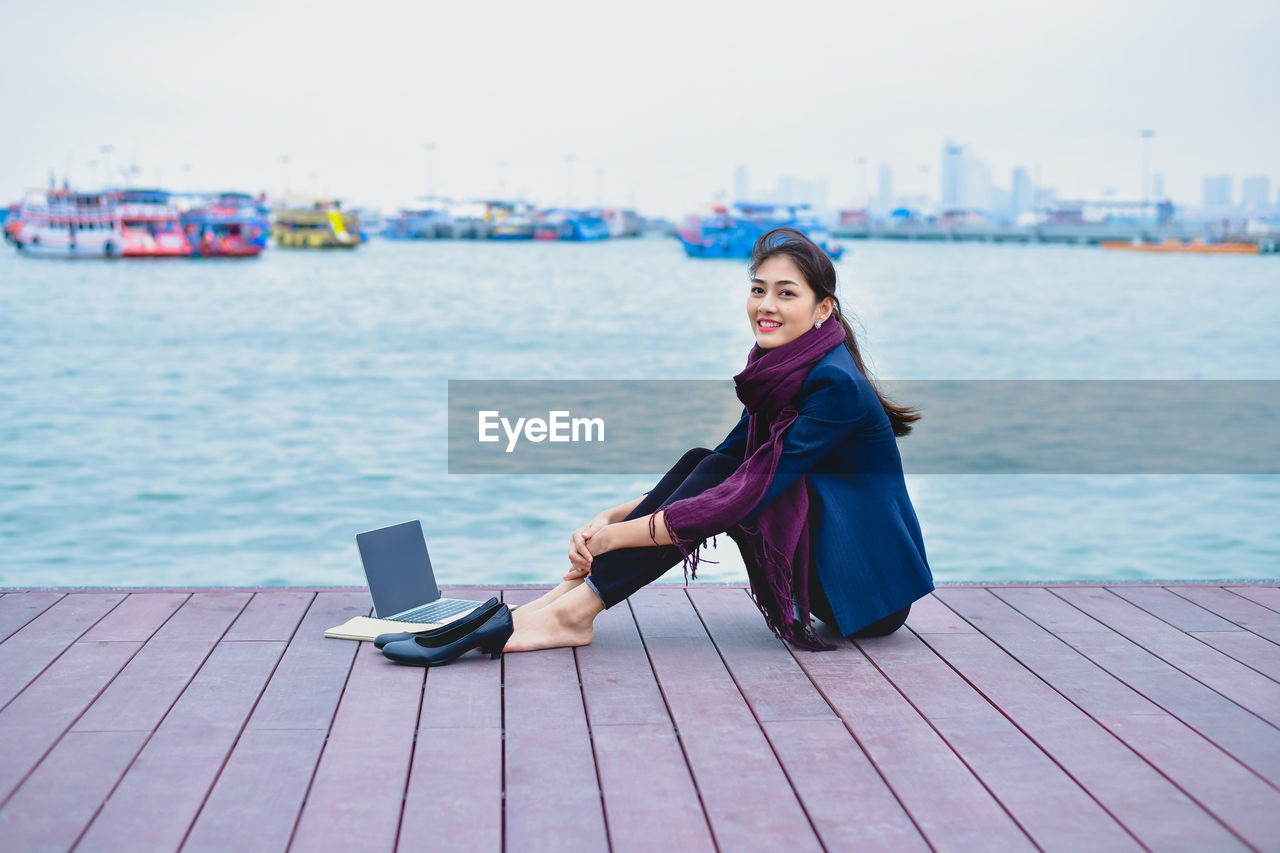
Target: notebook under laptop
point(400, 578)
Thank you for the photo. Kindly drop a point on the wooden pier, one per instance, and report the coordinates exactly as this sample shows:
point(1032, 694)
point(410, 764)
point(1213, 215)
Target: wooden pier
point(1002, 717)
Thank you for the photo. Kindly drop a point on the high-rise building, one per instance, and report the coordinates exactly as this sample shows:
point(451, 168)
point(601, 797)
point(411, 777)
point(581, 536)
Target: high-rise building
point(1021, 199)
point(1218, 191)
point(966, 180)
point(1255, 191)
point(791, 190)
point(952, 174)
point(884, 194)
point(741, 184)
point(1157, 186)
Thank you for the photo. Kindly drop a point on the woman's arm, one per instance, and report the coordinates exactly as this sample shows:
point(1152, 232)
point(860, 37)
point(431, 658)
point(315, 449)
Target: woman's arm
point(579, 551)
point(629, 534)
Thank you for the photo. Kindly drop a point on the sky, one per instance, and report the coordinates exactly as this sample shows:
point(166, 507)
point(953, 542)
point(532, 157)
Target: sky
point(655, 103)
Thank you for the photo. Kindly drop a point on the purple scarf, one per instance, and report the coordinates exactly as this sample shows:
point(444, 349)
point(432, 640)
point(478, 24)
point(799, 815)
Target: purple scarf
point(775, 547)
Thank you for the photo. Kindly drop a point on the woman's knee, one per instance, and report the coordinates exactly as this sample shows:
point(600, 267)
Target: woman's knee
point(717, 464)
point(695, 454)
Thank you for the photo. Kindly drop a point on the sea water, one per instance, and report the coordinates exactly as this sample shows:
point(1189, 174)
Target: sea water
point(236, 423)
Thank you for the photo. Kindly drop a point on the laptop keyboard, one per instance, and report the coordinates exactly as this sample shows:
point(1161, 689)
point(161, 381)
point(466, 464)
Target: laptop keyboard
point(441, 608)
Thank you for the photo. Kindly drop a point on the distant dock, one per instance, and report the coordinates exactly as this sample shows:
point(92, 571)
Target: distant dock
point(1081, 234)
point(1000, 717)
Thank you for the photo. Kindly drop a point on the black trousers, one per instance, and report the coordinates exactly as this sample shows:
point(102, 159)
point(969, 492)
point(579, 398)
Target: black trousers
point(617, 574)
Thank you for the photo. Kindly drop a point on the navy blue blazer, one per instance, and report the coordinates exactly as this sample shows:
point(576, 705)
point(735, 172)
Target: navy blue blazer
point(865, 538)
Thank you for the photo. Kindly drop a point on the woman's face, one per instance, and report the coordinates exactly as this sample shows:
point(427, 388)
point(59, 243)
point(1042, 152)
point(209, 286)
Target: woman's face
point(782, 306)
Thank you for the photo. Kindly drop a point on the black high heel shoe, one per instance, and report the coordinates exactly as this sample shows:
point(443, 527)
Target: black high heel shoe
point(445, 633)
point(490, 638)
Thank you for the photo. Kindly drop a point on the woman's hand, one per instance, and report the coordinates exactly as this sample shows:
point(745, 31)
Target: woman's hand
point(580, 552)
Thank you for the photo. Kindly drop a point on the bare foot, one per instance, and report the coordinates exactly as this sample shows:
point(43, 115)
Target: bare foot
point(524, 611)
point(551, 628)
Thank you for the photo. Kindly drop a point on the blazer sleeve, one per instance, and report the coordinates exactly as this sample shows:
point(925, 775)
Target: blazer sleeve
point(829, 414)
point(735, 443)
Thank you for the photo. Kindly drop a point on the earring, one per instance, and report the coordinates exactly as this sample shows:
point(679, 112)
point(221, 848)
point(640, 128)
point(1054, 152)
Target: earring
point(818, 325)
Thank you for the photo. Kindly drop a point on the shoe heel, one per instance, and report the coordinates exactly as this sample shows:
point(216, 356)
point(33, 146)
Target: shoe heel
point(494, 652)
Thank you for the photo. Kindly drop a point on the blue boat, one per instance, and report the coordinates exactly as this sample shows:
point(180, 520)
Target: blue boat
point(422, 219)
point(226, 225)
point(731, 233)
point(568, 224)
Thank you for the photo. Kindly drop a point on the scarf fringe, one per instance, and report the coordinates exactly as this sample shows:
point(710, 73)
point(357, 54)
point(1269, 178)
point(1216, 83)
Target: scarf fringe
point(785, 626)
point(690, 551)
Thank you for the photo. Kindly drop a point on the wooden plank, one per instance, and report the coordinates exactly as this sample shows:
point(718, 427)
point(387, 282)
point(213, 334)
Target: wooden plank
point(930, 616)
point(204, 616)
point(550, 765)
point(463, 696)
point(306, 687)
point(850, 804)
point(1172, 608)
point(19, 608)
point(1233, 728)
point(136, 618)
point(58, 800)
point(1203, 663)
point(271, 615)
point(1251, 615)
point(1042, 700)
point(647, 785)
point(1056, 620)
point(770, 679)
point(146, 689)
point(454, 798)
point(947, 802)
point(1246, 804)
point(259, 793)
point(1247, 647)
point(37, 644)
point(630, 728)
point(1029, 639)
point(459, 737)
point(367, 754)
point(617, 680)
point(1267, 596)
point(746, 795)
point(182, 759)
point(1046, 802)
point(33, 722)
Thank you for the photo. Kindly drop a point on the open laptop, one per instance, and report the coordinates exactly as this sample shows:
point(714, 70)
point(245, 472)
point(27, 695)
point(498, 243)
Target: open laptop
point(400, 578)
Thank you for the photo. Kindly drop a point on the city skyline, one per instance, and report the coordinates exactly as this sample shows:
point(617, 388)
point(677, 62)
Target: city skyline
point(380, 103)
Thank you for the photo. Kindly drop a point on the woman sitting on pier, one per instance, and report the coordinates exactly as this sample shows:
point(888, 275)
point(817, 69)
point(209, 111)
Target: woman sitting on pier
point(809, 485)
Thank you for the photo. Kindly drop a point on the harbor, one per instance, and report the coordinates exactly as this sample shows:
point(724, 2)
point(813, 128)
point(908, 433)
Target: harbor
point(1000, 717)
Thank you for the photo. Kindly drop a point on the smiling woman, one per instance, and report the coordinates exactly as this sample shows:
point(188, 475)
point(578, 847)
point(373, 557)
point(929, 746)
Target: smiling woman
point(809, 485)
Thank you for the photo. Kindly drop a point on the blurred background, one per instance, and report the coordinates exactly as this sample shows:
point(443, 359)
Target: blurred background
point(248, 244)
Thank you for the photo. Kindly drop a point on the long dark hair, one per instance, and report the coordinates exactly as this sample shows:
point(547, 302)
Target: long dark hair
point(820, 273)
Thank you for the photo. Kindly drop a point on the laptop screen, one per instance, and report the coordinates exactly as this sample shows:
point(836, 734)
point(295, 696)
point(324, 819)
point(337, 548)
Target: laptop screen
point(397, 567)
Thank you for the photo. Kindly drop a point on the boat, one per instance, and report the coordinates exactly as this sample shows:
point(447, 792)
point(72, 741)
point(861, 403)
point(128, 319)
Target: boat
point(12, 223)
point(420, 219)
point(1201, 247)
point(511, 220)
point(732, 232)
point(226, 225)
point(319, 224)
point(150, 224)
point(562, 223)
point(68, 224)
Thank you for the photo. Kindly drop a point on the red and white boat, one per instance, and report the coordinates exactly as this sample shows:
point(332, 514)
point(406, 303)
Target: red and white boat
point(69, 224)
point(150, 224)
point(113, 224)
